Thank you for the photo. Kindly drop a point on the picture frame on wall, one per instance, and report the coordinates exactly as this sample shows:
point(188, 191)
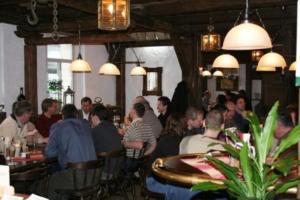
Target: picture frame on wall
point(152, 81)
point(227, 83)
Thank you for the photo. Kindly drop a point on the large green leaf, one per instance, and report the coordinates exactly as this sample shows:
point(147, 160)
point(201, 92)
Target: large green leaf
point(292, 138)
point(283, 187)
point(234, 152)
point(205, 186)
point(246, 168)
point(255, 127)
point(268, 133)
point(286, 162)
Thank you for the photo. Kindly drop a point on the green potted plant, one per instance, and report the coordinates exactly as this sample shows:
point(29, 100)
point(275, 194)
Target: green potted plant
point(257, 178)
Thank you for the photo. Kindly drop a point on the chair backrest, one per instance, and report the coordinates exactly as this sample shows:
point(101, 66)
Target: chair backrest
point(30, 175)
point(112, 164)
point(85, 174)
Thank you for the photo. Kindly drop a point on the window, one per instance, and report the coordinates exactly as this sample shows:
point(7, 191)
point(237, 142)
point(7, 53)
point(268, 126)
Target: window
point(152, 81)
point(59, 58)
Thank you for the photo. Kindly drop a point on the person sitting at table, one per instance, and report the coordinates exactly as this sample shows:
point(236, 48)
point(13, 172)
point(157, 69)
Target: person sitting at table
point(48, 117)
point(168, 145)
point(86, 107)
point(235, 119)
point(149, 116)
point(15, 126)
point(70, 140)
point(164, 109)
point(137, 135)
point(194, 119)
point(201, 143)
point(105, 135)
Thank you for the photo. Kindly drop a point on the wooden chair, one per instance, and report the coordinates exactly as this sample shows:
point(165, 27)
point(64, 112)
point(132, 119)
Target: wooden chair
point(112, 177)
point(85, 177)
point(22, 181)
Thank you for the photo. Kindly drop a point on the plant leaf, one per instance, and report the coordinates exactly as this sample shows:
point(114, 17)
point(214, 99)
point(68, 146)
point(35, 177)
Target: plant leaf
point(286, 163)
point(283, 187)
point(246, 168)
point(292, 138)
point(208, 186)
point(234, 152)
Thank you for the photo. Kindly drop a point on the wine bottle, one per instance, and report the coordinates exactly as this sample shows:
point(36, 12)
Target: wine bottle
point(21, 95)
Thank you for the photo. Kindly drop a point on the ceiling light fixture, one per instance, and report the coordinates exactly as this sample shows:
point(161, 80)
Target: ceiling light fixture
point(206, 73)
point(137, 70)
point(113, 14)
point(109, 68)
point(226, 61)
point(270, 61)
point(80, 65)
point(256, 55)
point(218, 73)
point(247, 36)
point(293, 66)
point(210, 41)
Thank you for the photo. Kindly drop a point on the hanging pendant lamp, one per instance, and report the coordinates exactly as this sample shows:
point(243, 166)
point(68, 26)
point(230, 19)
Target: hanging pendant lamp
point(293, 66)
point(218, 73)
point(247, 36)
point(80, 65)
point(137, 70)
point(270, 61)
point(226, 61)
point(109, 69)
point(206, 73)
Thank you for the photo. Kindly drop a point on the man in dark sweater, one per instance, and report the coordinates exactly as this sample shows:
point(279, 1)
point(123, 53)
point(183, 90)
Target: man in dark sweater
point(105, 134)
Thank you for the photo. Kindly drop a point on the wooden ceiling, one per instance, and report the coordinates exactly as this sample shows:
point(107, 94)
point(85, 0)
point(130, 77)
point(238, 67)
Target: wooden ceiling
point(183, 18)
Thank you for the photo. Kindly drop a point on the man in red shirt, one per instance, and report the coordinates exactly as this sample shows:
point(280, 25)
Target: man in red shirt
point(48, 117)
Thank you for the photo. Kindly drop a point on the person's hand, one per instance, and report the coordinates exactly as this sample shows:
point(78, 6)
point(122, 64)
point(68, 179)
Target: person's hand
point(31, 133)
point(121, 131)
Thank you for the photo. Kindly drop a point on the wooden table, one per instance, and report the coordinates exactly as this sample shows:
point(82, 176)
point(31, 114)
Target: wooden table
point(174, 170)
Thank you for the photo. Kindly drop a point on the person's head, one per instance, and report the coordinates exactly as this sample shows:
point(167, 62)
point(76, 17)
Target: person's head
point(98, 114)
point(240, 103)
point(49, 106)
point(69, 111)
point(142, 100)
point(230, 110)
point(22, 110)
point(194, 117)
point(176, 125)
point(214, 120)
point(86, 104)
point(162, 104)
point(223, 110)
point(221, 99)
point(137, 111)
point(284, 125)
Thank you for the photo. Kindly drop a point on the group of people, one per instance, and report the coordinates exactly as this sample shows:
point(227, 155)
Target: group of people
point(74, 135)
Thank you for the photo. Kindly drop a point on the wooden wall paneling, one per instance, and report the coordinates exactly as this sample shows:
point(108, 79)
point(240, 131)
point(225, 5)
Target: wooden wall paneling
point(30, 71)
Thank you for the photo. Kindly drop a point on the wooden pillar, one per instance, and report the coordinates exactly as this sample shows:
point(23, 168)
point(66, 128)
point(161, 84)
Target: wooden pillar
point(30, 70)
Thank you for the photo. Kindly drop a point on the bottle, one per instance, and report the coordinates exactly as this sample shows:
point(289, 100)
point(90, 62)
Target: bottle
point(21, 95)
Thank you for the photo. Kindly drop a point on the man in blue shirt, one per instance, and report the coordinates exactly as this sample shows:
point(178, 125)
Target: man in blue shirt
point(70, 141)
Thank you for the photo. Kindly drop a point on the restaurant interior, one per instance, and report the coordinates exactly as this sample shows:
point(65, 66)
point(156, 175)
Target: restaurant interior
point(115, 50)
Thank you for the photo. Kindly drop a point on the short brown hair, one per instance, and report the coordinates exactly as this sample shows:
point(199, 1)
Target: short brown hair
point(214, 119)
point(193, 112)
point(46, 103)
point(22, 107)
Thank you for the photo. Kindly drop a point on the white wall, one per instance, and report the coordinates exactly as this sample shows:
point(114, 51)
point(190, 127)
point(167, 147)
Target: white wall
point(211, 83)
point(85, 84)
point(11, 65)
point(154, 57)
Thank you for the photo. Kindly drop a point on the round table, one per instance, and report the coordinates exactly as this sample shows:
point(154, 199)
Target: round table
point(173, 169)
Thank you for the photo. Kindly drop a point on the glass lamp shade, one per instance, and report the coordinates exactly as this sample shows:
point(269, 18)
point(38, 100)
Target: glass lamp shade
point(293, 66)
point(210, 42)
point(270, 61)
point(69, 96)
point(138, 71)
point(206, 73)
point(109, 69)
point(247, 36)
point(218, 73)
point(80, 65)
point(226, 61)
point(113, 14)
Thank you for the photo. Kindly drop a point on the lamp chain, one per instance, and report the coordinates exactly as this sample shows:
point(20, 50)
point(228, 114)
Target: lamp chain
point(247, 10)
point(260, 20)
point(79, 38)
point(135, 55)
point(55, 36)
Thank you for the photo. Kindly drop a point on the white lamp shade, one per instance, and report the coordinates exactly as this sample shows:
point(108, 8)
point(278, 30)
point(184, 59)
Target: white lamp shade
point(138, 71)
point(206, 73)
point(247, 36)
point(80, 65)
point(293, 66)
point(270, 61)
point(109, 69)
point(218, 73)
point(226, 61)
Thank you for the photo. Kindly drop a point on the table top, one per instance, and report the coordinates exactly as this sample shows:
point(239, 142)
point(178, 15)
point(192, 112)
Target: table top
point(173, 169)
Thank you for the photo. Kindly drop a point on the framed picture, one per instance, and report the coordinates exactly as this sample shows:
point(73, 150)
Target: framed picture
point(227, 83)
point(152, 81)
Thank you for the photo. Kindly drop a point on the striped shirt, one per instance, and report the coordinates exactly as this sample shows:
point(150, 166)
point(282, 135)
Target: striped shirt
point(138, 131)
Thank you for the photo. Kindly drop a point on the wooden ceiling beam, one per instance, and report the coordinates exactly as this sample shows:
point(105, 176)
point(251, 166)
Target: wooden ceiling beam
point(88, 6)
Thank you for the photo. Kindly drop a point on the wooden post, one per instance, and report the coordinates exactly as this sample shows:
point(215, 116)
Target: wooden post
point(30, 71)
